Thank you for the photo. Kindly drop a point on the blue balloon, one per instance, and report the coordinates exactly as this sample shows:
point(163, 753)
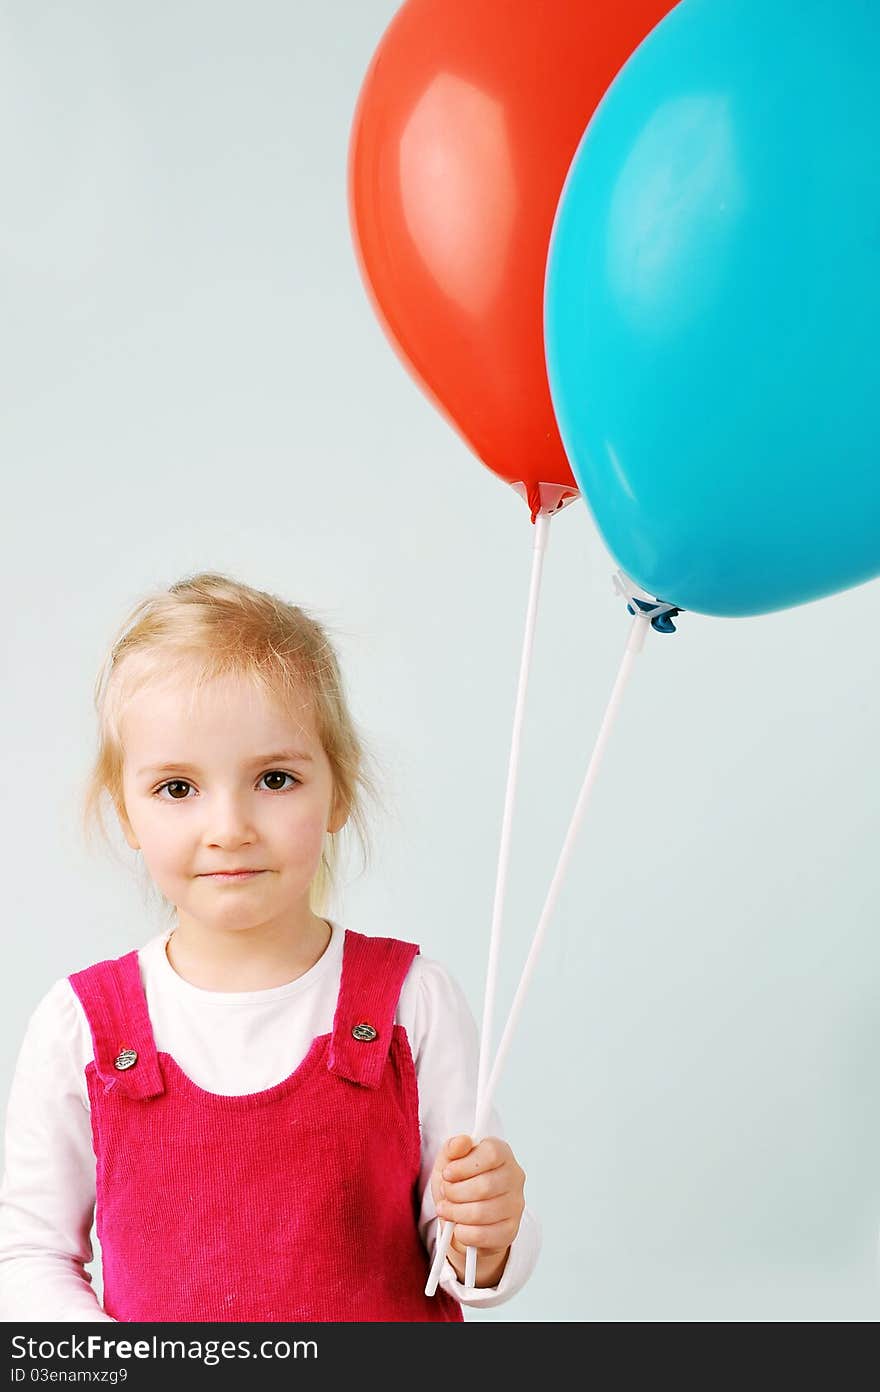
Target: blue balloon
point(712, 305)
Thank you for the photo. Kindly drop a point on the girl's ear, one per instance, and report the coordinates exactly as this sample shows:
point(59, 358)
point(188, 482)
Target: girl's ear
point(338, 815)
point(126, 827)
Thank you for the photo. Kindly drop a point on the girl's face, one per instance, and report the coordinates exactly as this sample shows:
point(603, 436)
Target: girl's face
point(223, 783)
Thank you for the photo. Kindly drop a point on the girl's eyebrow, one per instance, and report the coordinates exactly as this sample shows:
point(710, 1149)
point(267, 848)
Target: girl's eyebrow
point(280, 756)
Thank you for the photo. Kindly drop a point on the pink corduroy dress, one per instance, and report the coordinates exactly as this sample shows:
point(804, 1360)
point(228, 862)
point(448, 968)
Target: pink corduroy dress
point(298, 1203)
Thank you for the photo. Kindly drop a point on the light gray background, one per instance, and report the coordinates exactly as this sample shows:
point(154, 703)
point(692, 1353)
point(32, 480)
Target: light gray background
point(192, 377)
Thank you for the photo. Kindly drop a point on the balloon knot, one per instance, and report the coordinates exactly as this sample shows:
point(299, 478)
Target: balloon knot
point(658, 611)
point(545, 498)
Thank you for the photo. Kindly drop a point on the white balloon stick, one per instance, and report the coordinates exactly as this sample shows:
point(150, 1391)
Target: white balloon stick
point(541, 533)
point(633, 648)
point(634, 645)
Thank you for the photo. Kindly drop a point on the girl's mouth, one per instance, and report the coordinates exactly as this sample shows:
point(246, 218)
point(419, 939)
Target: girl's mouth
point(232, 875)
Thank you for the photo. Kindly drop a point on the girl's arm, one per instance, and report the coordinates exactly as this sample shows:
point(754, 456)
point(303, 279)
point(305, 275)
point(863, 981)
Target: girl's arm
point(47, 1198)
point(445, 1045)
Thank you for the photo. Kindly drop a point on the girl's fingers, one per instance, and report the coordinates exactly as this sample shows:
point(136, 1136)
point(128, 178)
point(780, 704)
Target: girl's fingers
point(454, 1149)
point(485, 1212)
point(486, 1237)
point(488, 1155)
point(489, 1185)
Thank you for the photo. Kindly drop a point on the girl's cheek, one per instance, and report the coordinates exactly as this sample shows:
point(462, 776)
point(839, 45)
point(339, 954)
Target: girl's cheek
point(311, 838)
point(307, 817)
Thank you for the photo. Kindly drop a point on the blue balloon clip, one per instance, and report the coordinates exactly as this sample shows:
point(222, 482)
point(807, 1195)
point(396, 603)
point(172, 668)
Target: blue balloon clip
point(662, 622)
point(661, 613)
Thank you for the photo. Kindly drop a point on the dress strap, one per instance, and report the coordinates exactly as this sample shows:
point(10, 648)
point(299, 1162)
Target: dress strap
point(112, 996)
point(373, 972)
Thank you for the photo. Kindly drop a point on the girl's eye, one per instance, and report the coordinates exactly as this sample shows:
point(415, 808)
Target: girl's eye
point(175, 784)
point(172, 785)
point(278, 773)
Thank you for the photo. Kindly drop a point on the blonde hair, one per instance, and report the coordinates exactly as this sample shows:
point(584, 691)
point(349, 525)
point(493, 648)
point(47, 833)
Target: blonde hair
point(213, 626)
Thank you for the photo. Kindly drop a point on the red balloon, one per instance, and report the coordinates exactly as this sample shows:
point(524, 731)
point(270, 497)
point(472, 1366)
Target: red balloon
point(468, 118)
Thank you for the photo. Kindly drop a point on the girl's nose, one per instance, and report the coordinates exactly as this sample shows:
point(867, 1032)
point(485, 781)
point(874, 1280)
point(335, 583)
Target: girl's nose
point(228, 823)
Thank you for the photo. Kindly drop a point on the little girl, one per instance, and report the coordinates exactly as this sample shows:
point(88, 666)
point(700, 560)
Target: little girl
point(263, 1111)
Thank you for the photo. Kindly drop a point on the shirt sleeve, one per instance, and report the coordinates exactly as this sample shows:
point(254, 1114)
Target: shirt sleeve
point(47, 1198)
point(445, 1046)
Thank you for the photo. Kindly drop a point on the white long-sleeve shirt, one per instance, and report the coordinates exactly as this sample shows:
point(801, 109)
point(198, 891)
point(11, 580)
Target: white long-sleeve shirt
point(228, 1042)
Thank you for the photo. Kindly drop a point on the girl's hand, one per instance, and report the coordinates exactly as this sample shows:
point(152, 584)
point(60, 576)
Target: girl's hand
point(480, 1189)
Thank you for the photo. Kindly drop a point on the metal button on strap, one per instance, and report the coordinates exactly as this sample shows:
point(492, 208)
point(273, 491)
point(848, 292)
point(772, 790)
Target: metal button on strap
point(126, 1058)
point(365, 1032)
